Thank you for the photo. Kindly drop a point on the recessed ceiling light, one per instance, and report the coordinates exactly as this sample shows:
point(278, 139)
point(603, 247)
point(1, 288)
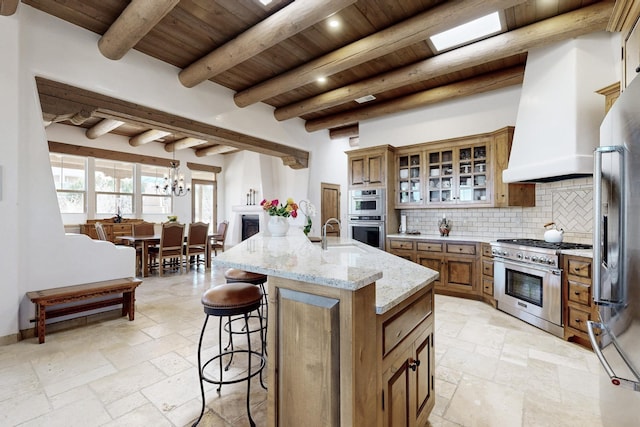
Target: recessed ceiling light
point(465, 33)
point(365, 98)
point(265, 2)
point(322, 79)
point(334, 23)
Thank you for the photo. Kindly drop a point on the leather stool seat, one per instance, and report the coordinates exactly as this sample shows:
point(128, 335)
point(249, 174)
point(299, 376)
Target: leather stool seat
point(237, 275)
point(231, 299)
point(226, 300)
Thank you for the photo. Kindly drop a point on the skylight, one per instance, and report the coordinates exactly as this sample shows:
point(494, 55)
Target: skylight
point(465, 33)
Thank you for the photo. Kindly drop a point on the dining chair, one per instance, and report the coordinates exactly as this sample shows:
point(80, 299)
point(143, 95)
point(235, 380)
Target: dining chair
point(100, 231)
point(171, 243)
point(218, 238)
point(143, 228)
point(196, 243)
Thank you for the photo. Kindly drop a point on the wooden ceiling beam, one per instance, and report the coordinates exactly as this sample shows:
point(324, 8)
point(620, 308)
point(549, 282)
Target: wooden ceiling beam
point(183, 143)
point(8, 7)
point(216, 149)
point(147, 136)
point(389, 40)
point(283, 24)
point(485, 83)
point(59, 98)
point(103, 127)
point(572, 24)
point(344, 132)
point(138, 18)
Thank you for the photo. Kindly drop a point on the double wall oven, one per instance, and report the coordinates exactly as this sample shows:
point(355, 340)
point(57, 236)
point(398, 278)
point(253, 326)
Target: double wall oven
point(367, 216)
point(528, 280)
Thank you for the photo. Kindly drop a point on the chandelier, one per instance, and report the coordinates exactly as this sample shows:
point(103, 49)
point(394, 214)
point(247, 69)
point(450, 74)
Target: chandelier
point(174, 182)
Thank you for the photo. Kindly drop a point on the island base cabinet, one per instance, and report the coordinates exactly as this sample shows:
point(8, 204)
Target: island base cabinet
point(405, 337)
point(408, 384)
point(321, 346)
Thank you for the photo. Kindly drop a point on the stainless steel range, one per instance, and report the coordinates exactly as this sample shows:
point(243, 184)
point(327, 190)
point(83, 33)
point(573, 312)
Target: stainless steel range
point(528, 280)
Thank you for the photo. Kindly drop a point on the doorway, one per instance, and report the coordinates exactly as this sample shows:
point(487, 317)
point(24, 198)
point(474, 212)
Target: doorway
point(203, 203)
point(329, 206)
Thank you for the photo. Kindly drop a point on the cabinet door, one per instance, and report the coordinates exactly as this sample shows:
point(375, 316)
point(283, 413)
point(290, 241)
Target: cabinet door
point(396, 392)
point(375, 169)
point(409, 176)
point(441, 178)
point(460, 273)
point(434, 263)
point(357, 171)
point(424, 378)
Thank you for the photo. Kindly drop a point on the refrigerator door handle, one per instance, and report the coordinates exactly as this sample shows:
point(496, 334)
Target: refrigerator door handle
point(615, 380)
point(597, 246)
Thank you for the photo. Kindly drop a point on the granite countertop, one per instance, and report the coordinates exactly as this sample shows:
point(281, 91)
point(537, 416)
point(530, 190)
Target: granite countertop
point(480, 239)
point(347, 264)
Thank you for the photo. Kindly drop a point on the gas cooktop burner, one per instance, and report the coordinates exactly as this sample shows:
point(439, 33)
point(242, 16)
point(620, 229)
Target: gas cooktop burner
point(546, 245)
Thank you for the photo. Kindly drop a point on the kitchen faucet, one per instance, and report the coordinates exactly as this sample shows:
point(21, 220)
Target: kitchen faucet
point(324, 230)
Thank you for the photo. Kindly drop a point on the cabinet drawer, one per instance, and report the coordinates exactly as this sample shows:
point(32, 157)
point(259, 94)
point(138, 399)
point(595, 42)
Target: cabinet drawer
point(430, 247)
point(457, 248)
point(486, 250)
point(401, 325)
point(580, 268)
point(579, 293)
point(122, 229)
point(578, 319)
point(487, 268)
point(487, 286)
point(401, 244)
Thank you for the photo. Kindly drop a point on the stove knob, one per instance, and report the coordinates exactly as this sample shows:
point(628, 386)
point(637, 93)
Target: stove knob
point(534, 259)
point(495, 252)
point(505, 253)
point(542, 260)
point(519, 255)
point(551, 262)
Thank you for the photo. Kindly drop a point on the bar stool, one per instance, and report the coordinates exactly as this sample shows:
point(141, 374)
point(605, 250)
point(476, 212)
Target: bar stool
point(231, 299)
point(234, 275)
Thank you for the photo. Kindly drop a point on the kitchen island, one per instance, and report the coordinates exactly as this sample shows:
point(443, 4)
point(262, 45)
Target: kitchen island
point(350, 337)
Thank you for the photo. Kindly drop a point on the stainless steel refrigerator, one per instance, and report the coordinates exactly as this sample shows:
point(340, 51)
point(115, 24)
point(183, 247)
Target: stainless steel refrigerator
point(615, 336)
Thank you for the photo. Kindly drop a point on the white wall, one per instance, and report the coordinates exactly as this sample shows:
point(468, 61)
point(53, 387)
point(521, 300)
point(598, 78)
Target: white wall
point(9, 183)
point(458, 117)
point(35, 44)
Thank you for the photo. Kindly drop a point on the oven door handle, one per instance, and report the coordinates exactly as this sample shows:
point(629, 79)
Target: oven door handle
point(522, 265)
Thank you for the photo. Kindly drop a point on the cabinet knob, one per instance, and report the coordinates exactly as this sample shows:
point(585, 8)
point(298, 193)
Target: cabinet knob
point(413, 364)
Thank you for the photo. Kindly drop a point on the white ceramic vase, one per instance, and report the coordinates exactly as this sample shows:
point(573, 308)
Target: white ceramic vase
point(278, 226)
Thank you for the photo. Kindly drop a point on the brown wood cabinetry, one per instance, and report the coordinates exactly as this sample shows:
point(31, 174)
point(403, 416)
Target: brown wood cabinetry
point(487, 274)
point(111, 229)
point(405, 335)
point(577, 298)
point(458, 263)
point(459, 172)
point(369, 167)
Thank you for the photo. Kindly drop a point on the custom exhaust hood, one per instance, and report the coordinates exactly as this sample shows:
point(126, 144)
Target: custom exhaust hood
point(558, 123)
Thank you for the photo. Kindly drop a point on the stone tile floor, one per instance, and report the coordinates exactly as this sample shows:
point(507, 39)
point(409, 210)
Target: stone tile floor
point(491, 369)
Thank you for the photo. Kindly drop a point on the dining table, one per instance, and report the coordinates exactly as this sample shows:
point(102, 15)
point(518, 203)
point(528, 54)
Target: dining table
point(144, 242)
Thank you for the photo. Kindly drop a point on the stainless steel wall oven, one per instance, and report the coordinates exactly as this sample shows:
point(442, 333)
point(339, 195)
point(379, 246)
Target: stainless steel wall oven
point(368, 229)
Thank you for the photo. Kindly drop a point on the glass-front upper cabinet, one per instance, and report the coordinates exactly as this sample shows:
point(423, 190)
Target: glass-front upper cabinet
point(409, 179)
point(458, 175)
point(441, 177)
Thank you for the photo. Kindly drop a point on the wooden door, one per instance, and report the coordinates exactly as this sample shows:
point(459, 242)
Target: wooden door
point(330, 207)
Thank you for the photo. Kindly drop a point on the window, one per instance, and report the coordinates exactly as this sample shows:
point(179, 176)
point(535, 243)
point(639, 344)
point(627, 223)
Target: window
point(69, 174)
point(154, 201)
point(114, 187)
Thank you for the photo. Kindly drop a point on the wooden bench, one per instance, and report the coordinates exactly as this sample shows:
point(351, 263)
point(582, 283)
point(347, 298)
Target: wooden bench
point(68, 294)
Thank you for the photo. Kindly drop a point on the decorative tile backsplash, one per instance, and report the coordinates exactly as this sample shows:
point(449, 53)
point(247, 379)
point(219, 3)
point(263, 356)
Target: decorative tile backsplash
point(568, 203)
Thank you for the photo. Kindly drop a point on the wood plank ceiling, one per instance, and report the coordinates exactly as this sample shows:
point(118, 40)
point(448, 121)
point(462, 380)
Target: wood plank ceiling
point(276, 53)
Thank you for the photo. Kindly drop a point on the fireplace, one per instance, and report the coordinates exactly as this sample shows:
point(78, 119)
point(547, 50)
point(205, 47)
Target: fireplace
point(250, 225)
